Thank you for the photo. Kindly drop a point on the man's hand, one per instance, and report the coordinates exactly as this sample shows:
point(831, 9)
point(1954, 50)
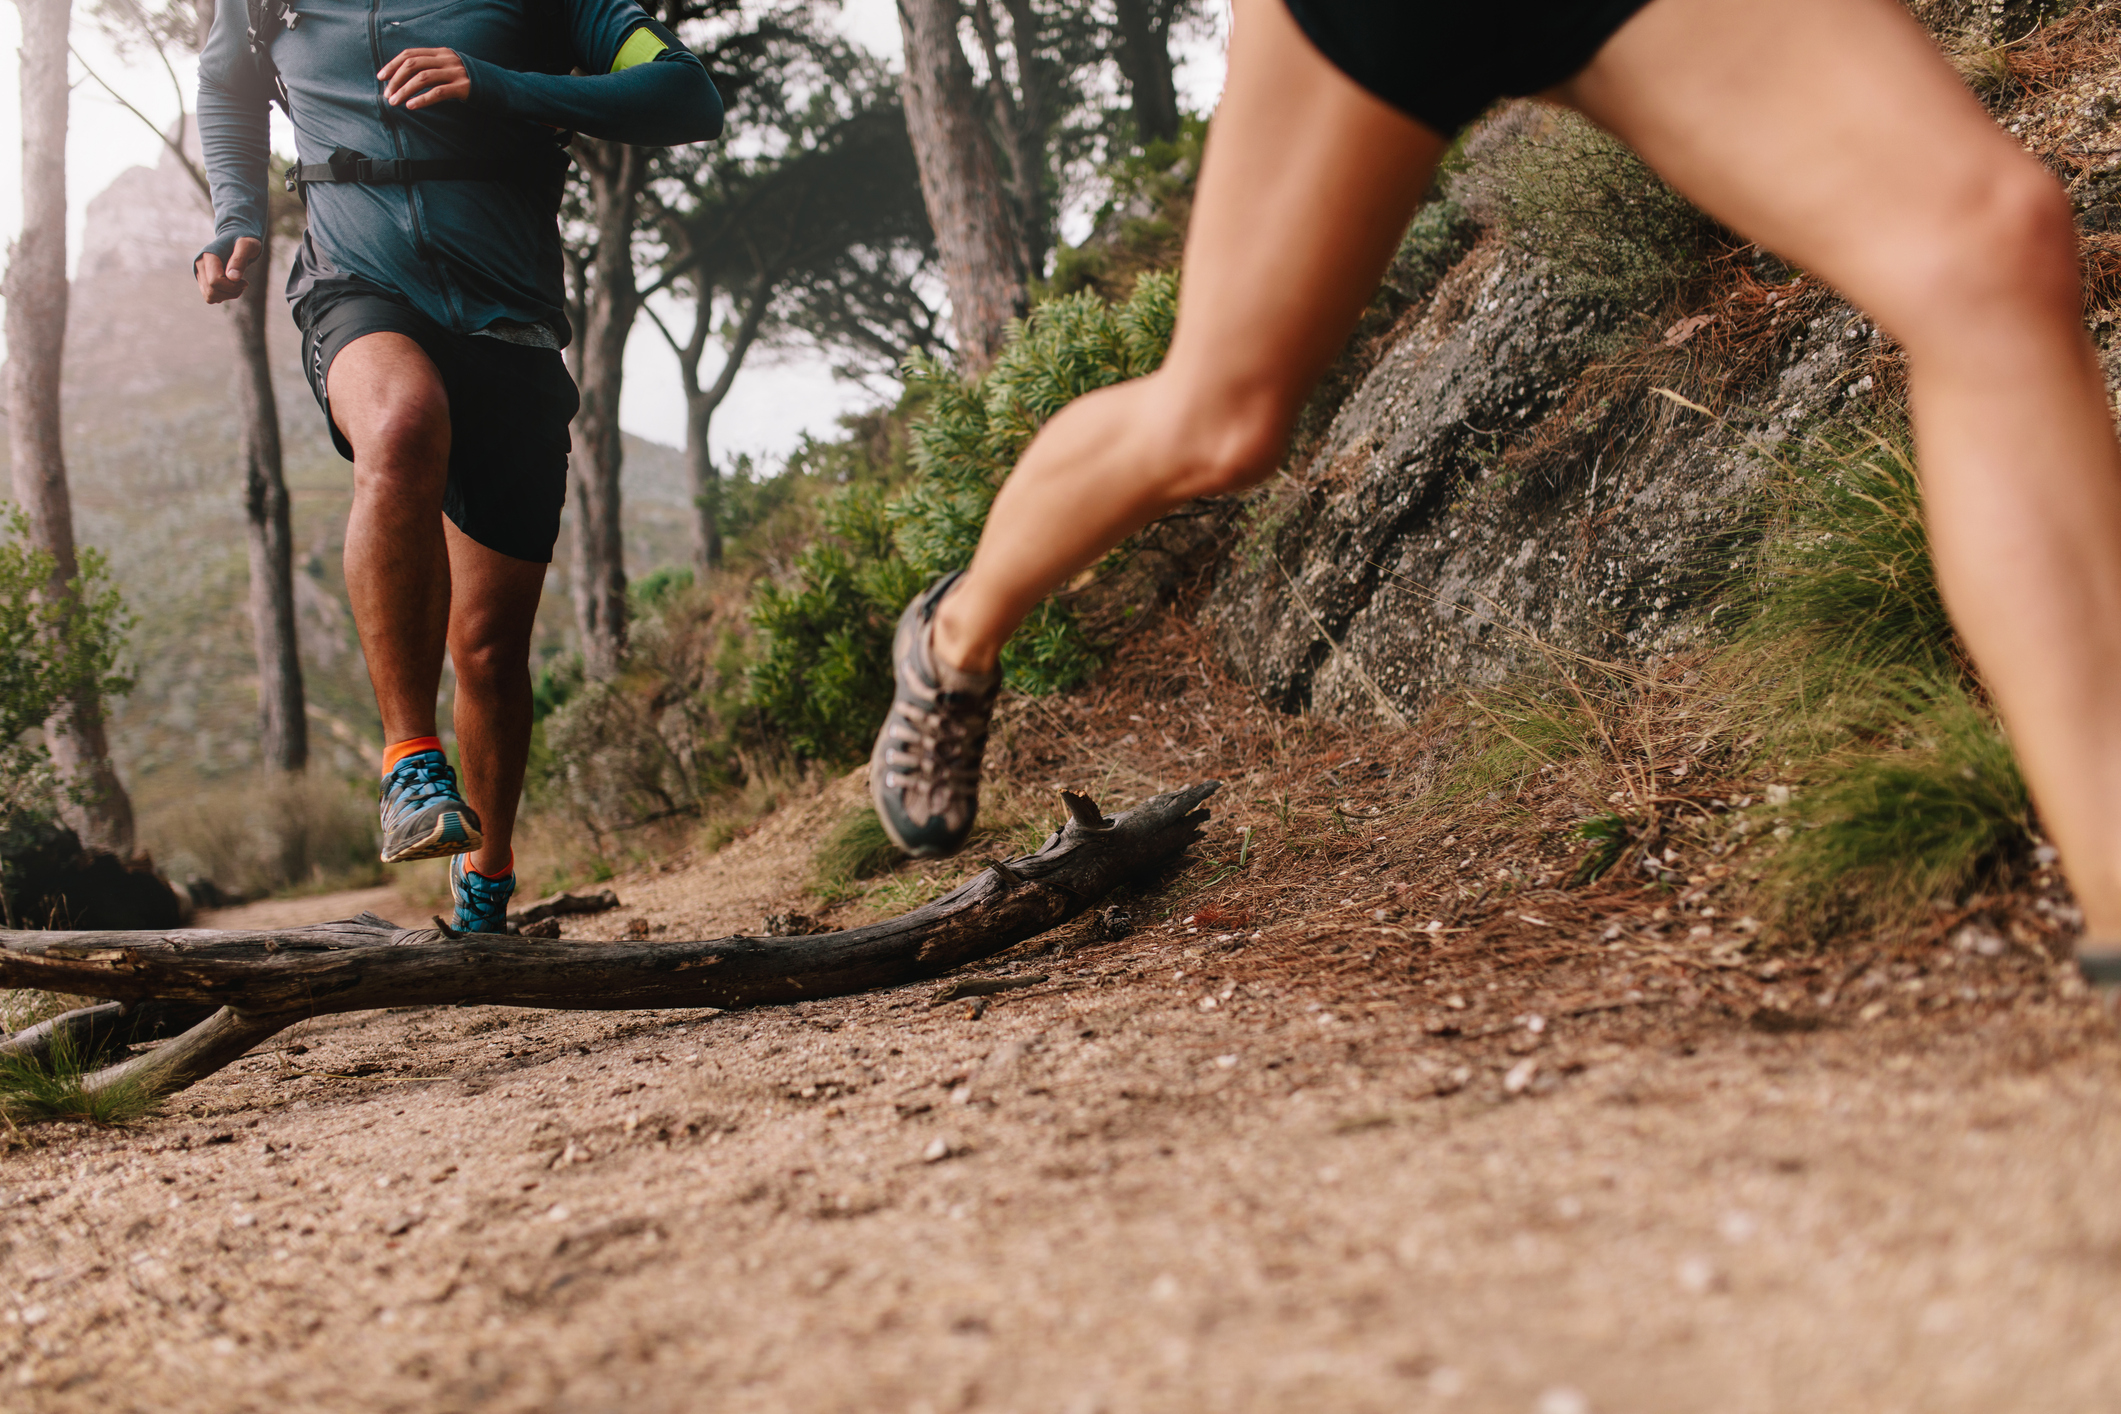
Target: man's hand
point(420, 77)
point(221, 285)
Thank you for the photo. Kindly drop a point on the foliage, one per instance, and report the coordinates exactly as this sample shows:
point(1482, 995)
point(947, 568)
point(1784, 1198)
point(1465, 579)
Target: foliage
point(51, 646)
point(55, 1091)
point(1557, 186)
point(662, 737)
point(1141, 226)
point(823, 674)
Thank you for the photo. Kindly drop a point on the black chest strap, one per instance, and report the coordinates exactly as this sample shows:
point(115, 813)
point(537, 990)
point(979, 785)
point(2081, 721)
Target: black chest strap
point(351, 167)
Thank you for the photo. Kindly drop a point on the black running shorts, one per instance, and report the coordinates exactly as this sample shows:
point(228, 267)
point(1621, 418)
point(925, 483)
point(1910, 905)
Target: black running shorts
point(1442, 62)
point(509, 406)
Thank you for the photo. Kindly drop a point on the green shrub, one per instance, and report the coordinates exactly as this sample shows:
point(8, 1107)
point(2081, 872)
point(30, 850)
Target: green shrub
point(50, 646)
point(823, 674)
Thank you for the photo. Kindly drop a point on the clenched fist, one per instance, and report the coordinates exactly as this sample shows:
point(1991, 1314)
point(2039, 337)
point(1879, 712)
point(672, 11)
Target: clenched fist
point(219, 284)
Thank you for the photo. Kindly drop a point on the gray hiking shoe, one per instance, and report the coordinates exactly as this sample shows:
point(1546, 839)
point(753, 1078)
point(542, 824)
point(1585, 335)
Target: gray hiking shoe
point(924, 773)
point(424, 815)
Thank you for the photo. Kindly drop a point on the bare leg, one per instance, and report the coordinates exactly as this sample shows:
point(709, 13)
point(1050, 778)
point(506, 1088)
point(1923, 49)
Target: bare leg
point(1833, 133)
point(388, 400)
point(491, 612)
point(1305, 189)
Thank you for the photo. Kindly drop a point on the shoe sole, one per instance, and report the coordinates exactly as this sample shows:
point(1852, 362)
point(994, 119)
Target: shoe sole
point(435, 846)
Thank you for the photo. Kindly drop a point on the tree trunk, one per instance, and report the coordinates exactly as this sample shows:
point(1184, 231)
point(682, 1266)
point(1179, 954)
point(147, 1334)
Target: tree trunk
point(609, 304)
point(1022, 127)
point(283, 731)
point(265, 981)
point(960, 184)
point(35, 290)
point(701, 404)
point(1144, 56)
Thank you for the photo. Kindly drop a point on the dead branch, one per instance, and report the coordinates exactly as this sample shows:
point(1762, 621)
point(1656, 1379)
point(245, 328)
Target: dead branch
point(261, 982)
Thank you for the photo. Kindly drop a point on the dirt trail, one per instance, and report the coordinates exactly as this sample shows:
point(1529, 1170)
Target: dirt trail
point(1169, 1177)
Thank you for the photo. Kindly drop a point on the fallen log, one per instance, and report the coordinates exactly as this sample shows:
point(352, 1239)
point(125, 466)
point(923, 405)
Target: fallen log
point(261, 982)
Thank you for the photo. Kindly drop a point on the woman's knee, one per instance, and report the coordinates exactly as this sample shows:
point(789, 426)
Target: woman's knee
point(1226, 438)
point(2006, 245)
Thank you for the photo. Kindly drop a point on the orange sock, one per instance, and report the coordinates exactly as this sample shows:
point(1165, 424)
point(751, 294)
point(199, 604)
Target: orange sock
point(507, 873)
point(393, 754)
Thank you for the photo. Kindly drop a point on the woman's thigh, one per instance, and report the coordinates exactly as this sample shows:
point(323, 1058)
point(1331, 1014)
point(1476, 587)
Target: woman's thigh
point(1830, 131)
point(1306, 188)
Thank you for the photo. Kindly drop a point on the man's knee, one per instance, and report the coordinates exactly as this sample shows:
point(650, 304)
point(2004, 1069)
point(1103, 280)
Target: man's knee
point(489, 662)
point(403, 431)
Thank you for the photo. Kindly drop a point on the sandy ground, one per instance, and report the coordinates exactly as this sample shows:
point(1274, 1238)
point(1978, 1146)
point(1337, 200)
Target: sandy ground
point(1189, 1171)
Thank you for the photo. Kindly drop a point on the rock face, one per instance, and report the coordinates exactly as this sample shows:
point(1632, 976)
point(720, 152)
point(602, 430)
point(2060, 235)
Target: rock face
point(1506, 477)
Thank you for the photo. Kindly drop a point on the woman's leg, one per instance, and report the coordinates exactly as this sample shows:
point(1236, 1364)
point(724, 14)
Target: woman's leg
point(1305, 190)
point(1833, 133)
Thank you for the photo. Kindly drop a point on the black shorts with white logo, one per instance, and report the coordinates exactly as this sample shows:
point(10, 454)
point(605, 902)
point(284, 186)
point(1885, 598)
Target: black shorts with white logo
point(1443, 62)
point(509, 407)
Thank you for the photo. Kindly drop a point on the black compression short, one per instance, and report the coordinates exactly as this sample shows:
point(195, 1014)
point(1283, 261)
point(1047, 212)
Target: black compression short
point(509, 406)
point(1442, 62)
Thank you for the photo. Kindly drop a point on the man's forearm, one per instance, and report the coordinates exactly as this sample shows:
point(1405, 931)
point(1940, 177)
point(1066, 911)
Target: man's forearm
point(659, 104)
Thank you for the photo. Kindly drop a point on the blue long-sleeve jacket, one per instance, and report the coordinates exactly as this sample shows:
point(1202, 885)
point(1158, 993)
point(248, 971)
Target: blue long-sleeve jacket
point(469, 254)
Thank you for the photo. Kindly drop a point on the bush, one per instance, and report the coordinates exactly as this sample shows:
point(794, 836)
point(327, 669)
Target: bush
point(51, 646)
point(662, 737)
point(823, 676)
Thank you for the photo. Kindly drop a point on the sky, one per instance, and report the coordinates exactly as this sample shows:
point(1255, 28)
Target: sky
point(776, 399)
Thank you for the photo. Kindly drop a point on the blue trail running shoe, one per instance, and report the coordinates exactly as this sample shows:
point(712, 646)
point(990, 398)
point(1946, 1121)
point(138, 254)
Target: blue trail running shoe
point(482, 903)
point(424, 816)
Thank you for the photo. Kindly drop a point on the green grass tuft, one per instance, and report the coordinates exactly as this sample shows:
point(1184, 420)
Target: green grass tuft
point(33, 1093)
point(1884, 832)
point(857, 849)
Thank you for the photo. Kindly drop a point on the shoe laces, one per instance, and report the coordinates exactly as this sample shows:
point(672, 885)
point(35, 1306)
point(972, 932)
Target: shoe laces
point(485, 896)
point(421, 777)
point(951, 734)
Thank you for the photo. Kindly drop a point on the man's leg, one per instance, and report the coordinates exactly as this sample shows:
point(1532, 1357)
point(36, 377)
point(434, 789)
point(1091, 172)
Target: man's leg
point(388, 399)
point(491, 614)
point(1833, 133)
point(1306, 187)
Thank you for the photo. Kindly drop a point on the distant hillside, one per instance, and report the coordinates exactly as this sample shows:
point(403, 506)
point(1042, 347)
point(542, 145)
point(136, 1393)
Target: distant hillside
point(151, 447)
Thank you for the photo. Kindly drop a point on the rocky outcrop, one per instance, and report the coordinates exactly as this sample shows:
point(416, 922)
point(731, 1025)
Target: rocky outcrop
point(1507, 472)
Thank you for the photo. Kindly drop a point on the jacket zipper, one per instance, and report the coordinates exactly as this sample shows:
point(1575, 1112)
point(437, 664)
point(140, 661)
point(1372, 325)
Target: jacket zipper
point(389, 121)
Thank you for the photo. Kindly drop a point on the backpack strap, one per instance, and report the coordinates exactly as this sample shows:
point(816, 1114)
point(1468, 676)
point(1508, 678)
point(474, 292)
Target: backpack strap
point(266, 18)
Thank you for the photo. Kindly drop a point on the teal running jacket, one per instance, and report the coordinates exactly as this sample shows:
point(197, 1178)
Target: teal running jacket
point(474, 256)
